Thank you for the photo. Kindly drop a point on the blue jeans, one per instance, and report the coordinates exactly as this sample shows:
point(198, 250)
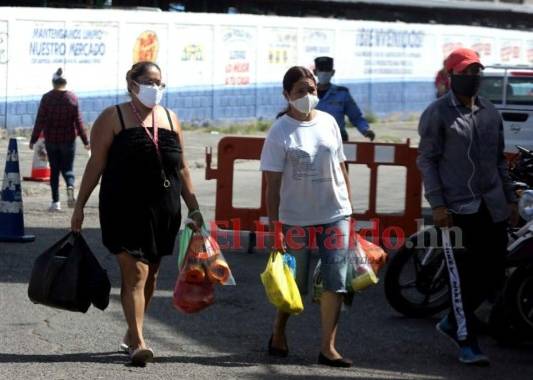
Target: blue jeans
point(332, 241)
point(61, 159)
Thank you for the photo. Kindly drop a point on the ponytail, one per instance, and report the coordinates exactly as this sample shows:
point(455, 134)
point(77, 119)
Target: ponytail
point(280, 114)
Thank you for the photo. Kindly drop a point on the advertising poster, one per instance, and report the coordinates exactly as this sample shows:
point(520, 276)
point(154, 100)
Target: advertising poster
point(146, 47)
point(236, 66)
point(510, 51)
point(191, 56)
point(316, 43)
point(279, 52)
point(143, 42)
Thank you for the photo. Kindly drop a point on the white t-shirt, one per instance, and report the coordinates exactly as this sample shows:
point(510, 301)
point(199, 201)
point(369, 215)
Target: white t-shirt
point(308, 153)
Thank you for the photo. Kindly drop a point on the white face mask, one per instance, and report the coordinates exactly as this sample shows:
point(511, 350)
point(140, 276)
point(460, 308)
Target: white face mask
point(149, 95)
point(305, 104)
point(324, 77)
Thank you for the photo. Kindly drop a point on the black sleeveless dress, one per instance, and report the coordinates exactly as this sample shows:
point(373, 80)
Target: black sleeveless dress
point(137, 213)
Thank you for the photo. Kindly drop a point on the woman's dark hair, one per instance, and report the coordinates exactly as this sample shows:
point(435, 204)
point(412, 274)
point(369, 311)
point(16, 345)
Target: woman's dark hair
point(58, 79)
point(139, 69)
point(293, 75)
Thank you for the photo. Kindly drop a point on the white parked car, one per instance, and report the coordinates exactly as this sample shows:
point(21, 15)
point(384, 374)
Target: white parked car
point(510, 89)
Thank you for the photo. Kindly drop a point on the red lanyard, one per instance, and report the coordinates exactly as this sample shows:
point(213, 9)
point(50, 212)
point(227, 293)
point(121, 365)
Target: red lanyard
point(155, 136)
point(155, 140)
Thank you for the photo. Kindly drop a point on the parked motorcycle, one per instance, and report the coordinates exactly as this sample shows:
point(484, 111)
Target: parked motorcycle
point(416, 280)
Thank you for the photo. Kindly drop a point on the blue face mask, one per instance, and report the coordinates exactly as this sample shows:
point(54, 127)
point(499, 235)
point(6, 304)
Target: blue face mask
point(324, 77)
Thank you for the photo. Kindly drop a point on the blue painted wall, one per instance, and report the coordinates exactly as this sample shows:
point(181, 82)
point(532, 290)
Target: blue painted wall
point(213, 105)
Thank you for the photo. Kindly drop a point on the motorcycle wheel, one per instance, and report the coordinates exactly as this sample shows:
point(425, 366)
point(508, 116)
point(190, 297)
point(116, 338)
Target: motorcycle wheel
point(518, 298)
point(416, 280)
point(501, 328)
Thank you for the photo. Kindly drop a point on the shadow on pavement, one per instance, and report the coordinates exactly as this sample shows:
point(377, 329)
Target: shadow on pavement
point(82, 357)
point(120, 358)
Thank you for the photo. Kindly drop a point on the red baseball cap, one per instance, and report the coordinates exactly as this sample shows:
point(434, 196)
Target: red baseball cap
point(461, 58)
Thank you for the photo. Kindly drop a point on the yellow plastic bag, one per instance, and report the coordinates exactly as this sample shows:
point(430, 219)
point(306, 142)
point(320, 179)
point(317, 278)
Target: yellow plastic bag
point(280, 286)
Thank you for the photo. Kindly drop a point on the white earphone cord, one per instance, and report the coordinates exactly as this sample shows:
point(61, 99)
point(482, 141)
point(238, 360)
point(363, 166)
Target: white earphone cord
point(469, 182)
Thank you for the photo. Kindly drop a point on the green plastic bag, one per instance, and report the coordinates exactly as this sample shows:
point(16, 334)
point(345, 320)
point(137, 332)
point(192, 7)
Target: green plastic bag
point(184, 240)
point(280, 286)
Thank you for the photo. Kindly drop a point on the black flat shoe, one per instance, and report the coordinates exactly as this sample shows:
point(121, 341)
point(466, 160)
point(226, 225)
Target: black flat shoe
point(278, 352)
point(343, 363)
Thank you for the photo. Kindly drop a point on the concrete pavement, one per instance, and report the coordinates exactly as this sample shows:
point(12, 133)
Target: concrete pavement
point(227, 340)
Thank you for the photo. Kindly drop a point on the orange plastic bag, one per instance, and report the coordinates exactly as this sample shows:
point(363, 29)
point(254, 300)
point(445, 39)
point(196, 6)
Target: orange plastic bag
point(205, 260)
point(193, 290)
point(191, 297)
point(201, 267)
point(377, 257)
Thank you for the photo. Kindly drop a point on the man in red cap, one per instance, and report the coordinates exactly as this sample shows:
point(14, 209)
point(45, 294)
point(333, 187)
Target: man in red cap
point(468, 187)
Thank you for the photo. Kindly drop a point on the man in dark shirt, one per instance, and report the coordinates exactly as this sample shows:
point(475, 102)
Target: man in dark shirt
point(337, 101)
point(60, 121)
point(461, 158)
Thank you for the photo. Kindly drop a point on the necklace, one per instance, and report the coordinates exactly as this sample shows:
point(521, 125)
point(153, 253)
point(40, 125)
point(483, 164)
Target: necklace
point(154, 138)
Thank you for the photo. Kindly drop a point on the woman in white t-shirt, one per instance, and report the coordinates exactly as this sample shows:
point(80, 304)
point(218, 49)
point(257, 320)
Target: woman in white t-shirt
point(308, 203)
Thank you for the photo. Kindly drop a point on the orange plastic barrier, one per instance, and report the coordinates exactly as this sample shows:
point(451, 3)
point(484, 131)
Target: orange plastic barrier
point(374, 155)
point(371, 154)
point(229, 150)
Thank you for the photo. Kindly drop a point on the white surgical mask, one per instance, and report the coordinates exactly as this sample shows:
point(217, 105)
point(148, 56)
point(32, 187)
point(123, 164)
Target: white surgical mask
point(149, 95)
point(324, 77)
point(305, 104)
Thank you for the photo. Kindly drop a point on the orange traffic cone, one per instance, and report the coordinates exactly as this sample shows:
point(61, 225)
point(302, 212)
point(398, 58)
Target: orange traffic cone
point(40, 170)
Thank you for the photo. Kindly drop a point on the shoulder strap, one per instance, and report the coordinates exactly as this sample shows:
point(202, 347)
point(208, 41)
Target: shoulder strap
point(169, 119)
point(121, 118)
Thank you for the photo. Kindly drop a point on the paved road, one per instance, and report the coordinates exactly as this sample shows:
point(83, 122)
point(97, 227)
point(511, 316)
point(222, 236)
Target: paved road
point(227, 340)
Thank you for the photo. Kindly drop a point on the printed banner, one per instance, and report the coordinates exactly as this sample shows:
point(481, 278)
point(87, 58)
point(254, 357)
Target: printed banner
point(316, 43)
point(95, 58)
point(379, 52)
point(40, 49)
point(191, 56)
point(278, 54)
point(57, 44)
point(98, 48)
point(237, 52)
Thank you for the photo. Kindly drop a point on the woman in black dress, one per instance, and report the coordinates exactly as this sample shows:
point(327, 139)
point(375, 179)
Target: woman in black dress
point(137, 149)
